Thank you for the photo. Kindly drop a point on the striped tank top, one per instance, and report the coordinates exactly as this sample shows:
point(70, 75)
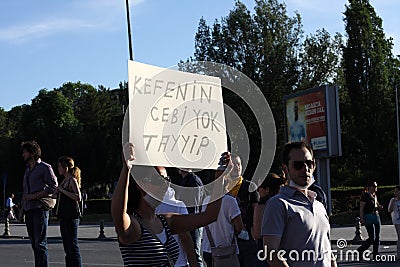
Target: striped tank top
point(148, 251)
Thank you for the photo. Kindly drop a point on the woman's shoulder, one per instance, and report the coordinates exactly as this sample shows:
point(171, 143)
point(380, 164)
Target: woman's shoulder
point(228, 197)
point(229, 200)
point(366, 196)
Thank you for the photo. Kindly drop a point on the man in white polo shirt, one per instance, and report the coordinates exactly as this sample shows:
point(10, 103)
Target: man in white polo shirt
point(295, 229)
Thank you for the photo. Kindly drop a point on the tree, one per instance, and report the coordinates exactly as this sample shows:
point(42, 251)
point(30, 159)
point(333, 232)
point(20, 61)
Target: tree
point(50, 120)
point(320, 59)
point(202, 41)
point(3, 126)
point(367, 60)
point(267, 47)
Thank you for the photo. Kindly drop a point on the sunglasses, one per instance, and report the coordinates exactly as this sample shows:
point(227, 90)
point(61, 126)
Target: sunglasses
point(299, 164)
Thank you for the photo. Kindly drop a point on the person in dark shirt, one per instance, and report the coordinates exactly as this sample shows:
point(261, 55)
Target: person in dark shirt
point(321, 196)
point(140, 189)
point(239, 188)
point(267, 189)
point(39, 181)
point(369, 216)
point(189, 179)
point(69, 198)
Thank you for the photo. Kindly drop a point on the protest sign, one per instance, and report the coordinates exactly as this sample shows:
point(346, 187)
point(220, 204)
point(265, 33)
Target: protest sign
point(176, 119)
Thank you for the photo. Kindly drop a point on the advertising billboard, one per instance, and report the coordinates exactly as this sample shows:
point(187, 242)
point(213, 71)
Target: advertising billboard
point(313, 115)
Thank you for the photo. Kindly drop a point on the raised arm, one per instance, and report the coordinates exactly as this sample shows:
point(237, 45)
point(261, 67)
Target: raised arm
point(127, 228)
point(183, 223)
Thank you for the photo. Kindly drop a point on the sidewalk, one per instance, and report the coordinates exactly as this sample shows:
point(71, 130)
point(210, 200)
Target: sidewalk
point(388, 234)
point(92, 232)
point(85, 231)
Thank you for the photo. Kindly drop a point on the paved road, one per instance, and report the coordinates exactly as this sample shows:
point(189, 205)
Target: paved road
point(16, 251)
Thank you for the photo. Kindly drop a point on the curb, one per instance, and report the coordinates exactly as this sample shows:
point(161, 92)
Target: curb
point(353, 242)
point(59, 238)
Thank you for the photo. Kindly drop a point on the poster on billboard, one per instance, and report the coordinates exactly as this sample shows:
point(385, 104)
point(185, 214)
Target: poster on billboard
point(176, 119)
point(313, 115)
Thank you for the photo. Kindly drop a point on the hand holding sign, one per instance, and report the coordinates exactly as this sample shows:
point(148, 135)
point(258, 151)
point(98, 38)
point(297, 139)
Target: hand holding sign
point(176, 119)
point(225, 165)
point(128, 154)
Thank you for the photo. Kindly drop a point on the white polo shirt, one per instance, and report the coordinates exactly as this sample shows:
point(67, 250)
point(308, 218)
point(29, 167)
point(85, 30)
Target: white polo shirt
point(303, 226)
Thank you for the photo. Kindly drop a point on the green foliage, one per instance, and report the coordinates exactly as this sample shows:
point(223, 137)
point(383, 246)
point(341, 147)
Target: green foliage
point(267, 46)
point(346, 203)
point(319, 60)
point(369, 112)
point(3, 123)
point(76, 120)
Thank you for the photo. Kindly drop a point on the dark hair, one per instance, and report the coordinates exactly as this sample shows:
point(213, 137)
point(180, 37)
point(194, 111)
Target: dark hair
point(33, 148)
point(288, 147)
point(273, 182)
point(68, 162)
point(368, 185)
point(397, 187)
point(134, 190)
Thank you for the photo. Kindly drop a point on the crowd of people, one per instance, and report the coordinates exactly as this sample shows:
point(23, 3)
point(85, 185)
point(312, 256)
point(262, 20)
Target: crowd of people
point(40, 186)
point(240, 224)
point(241, 228)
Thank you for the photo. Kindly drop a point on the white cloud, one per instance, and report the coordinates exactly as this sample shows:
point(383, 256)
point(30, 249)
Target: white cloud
point(73, 16)
point(24, 33)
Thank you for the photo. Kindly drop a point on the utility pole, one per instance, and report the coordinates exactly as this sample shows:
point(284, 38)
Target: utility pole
point(129, 31)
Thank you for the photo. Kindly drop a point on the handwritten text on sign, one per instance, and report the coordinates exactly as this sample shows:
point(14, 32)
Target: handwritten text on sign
point(176, 118)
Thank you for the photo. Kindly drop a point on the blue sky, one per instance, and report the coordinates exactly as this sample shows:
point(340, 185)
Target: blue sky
point(45, 43)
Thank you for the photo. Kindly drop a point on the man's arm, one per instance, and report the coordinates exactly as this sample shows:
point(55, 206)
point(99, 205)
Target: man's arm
point(50, 181)
point(272, 242)
point(188, 247)
point(257, 221)
point(237, 224)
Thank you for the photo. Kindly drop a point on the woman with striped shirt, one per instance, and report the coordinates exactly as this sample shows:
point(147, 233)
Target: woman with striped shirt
point(146, 238)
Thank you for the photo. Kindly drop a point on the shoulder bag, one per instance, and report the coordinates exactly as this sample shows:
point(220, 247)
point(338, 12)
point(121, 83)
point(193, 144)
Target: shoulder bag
point(372, 218)
point(223, 256)
point(48, 202)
